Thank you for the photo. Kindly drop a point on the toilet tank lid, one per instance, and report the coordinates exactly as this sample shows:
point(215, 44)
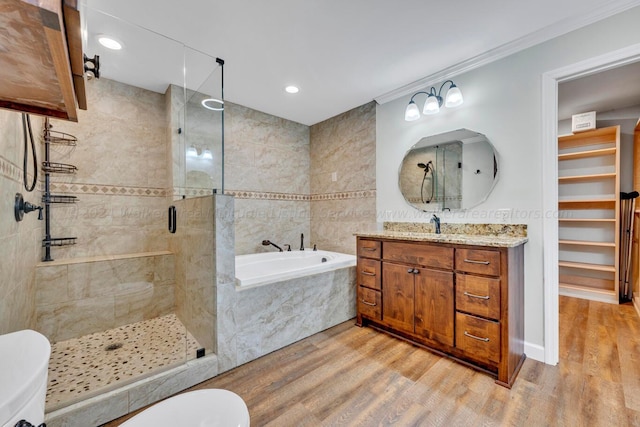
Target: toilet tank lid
point(24, 359)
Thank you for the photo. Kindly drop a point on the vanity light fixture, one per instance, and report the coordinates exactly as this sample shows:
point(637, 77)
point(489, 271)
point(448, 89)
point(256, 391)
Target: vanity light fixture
point(292, 89)
point(434, 101)
point(109, 42)
point(207, 103)
point(192, 152)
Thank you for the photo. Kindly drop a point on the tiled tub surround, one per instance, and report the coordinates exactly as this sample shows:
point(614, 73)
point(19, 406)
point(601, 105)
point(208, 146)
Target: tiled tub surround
point(272, 316)
point(86, 295)
point(80, 368)
point(343, 178)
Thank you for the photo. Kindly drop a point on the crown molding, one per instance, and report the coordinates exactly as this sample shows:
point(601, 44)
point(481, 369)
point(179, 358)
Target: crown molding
point(544, 34)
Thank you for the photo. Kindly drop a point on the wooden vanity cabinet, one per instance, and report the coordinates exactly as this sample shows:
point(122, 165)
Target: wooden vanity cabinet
point(462, 301)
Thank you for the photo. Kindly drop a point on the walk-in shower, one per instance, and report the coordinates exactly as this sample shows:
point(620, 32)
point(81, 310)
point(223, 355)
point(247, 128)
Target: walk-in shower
point(125, 303)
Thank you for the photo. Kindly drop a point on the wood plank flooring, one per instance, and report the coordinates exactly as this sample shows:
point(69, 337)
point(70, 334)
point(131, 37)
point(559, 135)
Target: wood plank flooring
point(350, 376)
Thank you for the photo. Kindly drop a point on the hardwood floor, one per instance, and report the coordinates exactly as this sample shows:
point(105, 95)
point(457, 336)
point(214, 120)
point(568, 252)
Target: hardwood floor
point(350, 376)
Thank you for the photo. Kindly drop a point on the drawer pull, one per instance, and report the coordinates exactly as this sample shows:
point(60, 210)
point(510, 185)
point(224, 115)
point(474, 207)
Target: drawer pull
point(471, 261)
point(372, 304)
point(368, 273)
point(475, 337)
point(369, 249)
point(476, 296)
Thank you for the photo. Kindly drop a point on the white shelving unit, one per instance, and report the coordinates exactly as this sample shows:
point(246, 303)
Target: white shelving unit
point(589, 188)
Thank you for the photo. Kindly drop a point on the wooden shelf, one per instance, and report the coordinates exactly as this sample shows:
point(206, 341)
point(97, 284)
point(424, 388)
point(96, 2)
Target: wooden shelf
point(586, 266)
point(587, 204)
point(580, 178)
point(42, 61)
point(586, 154)
point(605, 220)
point(587, 243)
point(608, 135)
point(592, 281)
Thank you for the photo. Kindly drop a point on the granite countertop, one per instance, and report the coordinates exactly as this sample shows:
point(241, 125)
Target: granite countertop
point(464, 239)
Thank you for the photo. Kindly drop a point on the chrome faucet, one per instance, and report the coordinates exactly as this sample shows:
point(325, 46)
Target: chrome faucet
point(302, 241)
point(269, 242)
point(436, 220)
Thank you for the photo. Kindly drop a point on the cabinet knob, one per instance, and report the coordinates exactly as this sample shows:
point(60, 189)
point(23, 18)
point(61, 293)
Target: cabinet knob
point(416, 271)
point(410, 270)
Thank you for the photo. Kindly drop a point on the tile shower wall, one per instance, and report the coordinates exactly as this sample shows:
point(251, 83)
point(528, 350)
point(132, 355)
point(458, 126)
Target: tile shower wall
point(123, 174)
point(267, 170)
point(20, 243)
point(75, 298)
point(343, 148)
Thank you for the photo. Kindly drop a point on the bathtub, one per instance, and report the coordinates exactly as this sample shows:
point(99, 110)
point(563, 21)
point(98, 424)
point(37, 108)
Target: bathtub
point(270, 267)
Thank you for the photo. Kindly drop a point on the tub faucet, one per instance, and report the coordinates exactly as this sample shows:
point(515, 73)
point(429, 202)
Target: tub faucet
point(288, 247)
point(436, 220)
point(302, 241)
point(269, 242)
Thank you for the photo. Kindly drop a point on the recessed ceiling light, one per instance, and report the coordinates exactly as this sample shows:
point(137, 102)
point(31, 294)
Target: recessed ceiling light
point(206, 103)
point(109, 42)
point(292, 89)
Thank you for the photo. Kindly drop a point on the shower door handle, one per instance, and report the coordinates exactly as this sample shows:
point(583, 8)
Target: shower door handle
point(172, 219)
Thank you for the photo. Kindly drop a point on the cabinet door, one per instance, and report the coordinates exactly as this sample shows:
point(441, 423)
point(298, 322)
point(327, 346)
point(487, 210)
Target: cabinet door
point(434, 305)
point(397, 296)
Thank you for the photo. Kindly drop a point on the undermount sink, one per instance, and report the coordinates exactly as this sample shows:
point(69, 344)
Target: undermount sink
point(24, 359)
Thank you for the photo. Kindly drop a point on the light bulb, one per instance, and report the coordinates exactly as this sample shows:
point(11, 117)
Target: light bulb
point(454, 97)
point(431, 106)
point(412, 112)
point(192, 152)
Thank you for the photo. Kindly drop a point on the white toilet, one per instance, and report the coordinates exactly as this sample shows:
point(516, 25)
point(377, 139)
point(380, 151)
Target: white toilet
point(24, 360)
point(200, 408)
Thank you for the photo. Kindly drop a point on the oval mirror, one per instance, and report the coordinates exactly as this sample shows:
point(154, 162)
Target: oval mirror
point(451, 171)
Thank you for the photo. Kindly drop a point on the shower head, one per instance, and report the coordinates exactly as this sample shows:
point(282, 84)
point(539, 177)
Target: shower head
point(428, 166)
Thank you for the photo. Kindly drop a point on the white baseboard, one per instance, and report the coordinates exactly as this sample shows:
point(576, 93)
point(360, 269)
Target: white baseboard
point(534, 351)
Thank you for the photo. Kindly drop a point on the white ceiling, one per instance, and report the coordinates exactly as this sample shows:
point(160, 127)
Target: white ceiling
point(341, 53)
point(615, 89)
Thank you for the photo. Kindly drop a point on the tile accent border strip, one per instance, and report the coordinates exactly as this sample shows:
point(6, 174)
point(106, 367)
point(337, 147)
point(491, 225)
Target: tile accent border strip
point(10, 171)
point(109, 190)
point(257, 195)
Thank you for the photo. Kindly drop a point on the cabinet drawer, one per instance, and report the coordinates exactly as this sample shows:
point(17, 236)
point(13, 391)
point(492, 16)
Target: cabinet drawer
point(369, 273)
point(369, 303)
point(478, 338)
point(369, 248)
point(419, 254)
point(478, 295)
point(481, 261)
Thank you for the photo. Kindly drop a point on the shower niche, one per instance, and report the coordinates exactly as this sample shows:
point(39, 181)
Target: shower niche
point(450, 171)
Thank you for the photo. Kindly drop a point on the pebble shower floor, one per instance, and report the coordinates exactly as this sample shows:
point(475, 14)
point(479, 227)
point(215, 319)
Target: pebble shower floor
point(83, 367)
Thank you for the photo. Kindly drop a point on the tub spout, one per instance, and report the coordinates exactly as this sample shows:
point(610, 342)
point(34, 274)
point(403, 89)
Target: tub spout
point(269, 242)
